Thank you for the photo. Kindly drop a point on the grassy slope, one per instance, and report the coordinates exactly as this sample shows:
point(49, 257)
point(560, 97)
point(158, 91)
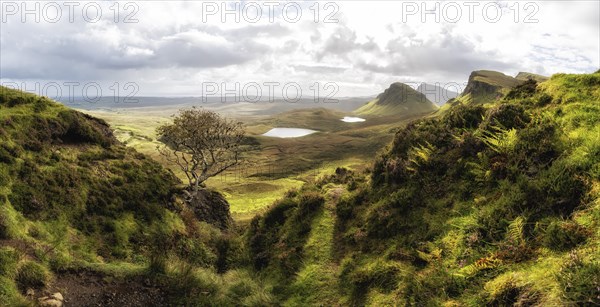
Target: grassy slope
point(570, 103)
point(495, 78)
point(316, 282)
point(373, 108)
point(53, 211)
point(479, 205)
point(398, 99)
point(280, 164)
point(524, 76)
point(515, 219)
point(74, 200)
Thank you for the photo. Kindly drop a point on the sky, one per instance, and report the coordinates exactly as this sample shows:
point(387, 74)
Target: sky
point(337, 49)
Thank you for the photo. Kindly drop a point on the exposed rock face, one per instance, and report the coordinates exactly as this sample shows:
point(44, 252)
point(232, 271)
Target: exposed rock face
point(211, 207)
point(482, 90)
point(486, 85)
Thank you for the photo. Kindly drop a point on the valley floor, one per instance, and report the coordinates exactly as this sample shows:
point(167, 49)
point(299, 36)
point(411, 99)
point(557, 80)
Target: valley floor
point(278, 165)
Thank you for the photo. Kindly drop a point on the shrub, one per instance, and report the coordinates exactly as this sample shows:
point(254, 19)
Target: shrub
point(82, 128)
point(4, 228)
point(564, 235)
point(230, 252)
point(358, 277)
point(344, 208)
point(277, 213)
point(193, 287)
point(544, 99)
point(589, 80)
point(538, 142)
point(279, 237)
point(18, 100)
point(257, 243)
point(28, 201)
point(309, 202)
point(40, 105)
point(464, 116)
point(580, 281)
point(383, 221)
point(524, 90)
point(558, 190)
point(428, 130)
point(61, 262)
point(5, 154)
point(508, 292)
point(196, 252)
point(9, 257)
point(505, 116)
point(32, 275)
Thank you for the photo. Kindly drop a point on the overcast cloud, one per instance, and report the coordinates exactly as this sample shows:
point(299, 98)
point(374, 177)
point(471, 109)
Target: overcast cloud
point(172, 51)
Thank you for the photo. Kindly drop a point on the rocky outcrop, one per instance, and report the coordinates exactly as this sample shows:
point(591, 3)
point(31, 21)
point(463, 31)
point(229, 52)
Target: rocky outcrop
point(211, 207)
point(486, 85)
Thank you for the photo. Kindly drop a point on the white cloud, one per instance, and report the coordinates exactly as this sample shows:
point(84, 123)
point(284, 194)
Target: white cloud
point(171, 51)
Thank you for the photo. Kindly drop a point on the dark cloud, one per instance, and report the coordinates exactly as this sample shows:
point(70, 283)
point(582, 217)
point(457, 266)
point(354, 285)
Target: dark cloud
point(447, 54)
point(187, 51)
point(175, 48)
point(52, 54)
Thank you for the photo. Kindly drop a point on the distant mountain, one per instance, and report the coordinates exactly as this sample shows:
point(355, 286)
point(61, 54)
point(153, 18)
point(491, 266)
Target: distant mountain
point(487, 86)
point(437, 94)
point(233, 106)
point(524, 76)
point(398, 99)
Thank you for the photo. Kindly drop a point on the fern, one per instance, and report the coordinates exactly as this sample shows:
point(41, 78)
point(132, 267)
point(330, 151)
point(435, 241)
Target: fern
point(481, 264)
point(419, 155)
point(502, 141)
point(515, 230)
point(481, 174)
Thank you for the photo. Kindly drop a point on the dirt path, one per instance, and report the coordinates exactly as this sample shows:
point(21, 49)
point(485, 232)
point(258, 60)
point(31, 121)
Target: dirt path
point(92, 289)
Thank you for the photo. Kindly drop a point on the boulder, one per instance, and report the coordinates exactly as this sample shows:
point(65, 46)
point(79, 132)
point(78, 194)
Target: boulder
point(54, 300)
point(211, 207)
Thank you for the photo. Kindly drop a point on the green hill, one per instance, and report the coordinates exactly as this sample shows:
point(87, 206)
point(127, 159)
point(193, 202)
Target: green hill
point(84, 215)
point(515, 222)
point(398, 99)
point(486, 86)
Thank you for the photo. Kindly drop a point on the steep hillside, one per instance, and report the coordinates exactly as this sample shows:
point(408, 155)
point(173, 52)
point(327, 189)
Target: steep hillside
point(83, 215)
point(515, 222)
point(487, 86)
point(398, 99)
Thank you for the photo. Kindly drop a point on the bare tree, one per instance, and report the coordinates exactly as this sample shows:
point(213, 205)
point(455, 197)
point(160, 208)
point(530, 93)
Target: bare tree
point(202, 143)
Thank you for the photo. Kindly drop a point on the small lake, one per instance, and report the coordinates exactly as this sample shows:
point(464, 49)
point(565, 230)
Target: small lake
point(288, 132)
point(350, 119)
